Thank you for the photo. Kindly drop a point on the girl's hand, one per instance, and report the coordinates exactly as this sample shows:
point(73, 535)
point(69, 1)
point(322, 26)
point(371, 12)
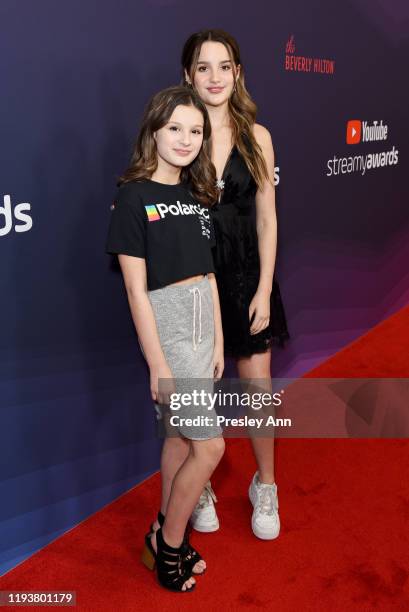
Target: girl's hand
point(260, 308)
point(167, 387)
point(218, 360)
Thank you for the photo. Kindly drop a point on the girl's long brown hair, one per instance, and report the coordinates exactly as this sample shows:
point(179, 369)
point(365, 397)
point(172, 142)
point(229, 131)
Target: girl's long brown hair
point(242, 109)
point(200, 175)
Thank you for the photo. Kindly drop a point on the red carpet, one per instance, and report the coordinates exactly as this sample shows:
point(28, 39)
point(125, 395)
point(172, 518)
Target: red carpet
point(344, 507)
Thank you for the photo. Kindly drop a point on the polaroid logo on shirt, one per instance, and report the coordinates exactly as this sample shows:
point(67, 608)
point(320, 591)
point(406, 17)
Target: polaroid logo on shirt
point(152, 213)
point(156, 212)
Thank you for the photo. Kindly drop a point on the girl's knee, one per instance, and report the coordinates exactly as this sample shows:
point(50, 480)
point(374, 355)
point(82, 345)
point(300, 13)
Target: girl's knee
point(219, 447)
point(210, 450)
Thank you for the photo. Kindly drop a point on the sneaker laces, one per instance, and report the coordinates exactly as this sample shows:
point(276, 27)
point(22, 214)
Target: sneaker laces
point(206, 496)
point(267, 500)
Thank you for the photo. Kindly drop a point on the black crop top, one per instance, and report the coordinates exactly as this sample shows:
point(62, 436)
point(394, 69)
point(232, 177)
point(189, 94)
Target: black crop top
point(165, 226)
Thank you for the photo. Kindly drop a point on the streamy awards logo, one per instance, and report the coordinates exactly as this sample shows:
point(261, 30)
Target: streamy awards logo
point(357, 133)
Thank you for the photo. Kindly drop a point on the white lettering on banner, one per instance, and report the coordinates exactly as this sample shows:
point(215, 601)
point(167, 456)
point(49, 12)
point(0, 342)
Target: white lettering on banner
point(374, 131)
point(358, 132)
point(362, 163)
point(181, 209)
point(19, 214)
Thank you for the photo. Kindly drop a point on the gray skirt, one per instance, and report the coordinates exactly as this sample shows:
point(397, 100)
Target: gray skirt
point(185, 323)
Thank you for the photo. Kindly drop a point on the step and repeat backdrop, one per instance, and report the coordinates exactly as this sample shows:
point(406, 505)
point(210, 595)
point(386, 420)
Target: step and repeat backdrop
point(76, 421)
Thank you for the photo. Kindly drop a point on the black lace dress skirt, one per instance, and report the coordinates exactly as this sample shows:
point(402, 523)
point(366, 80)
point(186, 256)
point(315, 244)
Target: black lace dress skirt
point(237, 267)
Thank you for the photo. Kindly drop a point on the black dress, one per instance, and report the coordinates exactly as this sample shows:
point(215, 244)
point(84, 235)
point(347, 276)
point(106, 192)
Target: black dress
point(237, 264)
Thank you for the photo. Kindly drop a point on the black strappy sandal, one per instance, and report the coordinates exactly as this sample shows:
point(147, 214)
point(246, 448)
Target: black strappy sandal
point(171, 570)
point(190, 554)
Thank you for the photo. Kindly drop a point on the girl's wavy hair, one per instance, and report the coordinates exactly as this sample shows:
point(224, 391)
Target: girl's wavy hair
point(242, 109)
point(200, 175)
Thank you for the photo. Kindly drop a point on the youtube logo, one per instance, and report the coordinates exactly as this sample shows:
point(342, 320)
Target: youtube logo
point(361, 131)
point(354, 131)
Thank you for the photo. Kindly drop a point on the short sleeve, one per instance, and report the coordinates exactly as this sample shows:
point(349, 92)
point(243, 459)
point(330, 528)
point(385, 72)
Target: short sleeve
point(127, 228)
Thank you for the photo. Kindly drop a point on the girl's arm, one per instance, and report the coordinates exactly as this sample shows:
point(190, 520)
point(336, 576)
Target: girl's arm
point(134, 275)
point(218, 355)
point(267, 235)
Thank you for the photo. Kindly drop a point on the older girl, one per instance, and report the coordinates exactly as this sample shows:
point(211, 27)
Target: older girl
point(245, 224)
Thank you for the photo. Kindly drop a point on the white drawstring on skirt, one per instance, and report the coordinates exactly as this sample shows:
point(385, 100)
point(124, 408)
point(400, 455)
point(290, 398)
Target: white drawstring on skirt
point(196, 291)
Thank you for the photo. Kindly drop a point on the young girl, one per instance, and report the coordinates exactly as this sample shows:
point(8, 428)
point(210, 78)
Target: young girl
point(245, 225)
point(161, 230)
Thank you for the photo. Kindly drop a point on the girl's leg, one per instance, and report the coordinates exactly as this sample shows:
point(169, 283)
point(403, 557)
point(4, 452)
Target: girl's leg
point(265, 520)
point(188, 484)
point(174, 454)
point(258, 366)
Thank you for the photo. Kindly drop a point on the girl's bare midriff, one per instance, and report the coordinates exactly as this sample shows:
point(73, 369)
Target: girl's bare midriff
point(188, 280)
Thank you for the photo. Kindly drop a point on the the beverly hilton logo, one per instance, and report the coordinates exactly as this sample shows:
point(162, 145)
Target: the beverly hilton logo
point(302, 63)
point(290, 46)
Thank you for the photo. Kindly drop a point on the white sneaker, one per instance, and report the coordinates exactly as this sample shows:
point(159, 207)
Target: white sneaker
point(204, 517)
point(265, 520)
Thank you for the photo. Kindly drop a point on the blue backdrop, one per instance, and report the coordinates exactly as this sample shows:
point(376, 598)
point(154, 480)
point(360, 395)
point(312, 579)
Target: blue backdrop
point(76, 424)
